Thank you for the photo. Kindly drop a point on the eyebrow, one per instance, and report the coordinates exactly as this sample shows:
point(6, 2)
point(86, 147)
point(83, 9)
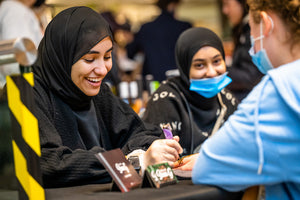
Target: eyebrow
point(201, 60)
point(97, 52)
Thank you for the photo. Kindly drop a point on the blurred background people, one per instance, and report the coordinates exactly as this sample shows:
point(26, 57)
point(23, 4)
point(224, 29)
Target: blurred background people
point(17, 19)
point(195, 104)
point(113, 76)
point(156, 39)
point(242, 71)
point(124, 78)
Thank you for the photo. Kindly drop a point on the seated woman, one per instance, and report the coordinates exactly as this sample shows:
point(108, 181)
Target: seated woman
point(194, 104)
point(78, 114)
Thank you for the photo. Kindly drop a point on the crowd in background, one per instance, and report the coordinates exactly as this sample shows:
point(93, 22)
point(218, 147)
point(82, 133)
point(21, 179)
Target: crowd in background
point(144, 57)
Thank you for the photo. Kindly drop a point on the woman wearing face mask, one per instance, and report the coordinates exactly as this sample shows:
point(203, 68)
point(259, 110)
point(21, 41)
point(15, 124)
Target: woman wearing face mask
point(196, 103)
point(260, 143)
point(78, 115)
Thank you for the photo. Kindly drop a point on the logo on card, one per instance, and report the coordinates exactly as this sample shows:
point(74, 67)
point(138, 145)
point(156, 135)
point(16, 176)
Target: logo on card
point(161, 174)
point(121, 167)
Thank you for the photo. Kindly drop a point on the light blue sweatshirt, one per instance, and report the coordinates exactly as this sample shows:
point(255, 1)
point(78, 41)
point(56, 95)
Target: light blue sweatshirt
point(260, 143)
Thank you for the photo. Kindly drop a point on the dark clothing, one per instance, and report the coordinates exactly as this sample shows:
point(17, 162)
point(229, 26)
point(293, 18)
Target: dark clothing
point(157, 40)
point(168, 106)
point(73, 126)
point(191, 116)
point(68, 154)
point(243, 72)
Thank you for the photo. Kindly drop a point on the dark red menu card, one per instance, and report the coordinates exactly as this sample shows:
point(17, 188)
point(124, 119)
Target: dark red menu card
point(121, 171)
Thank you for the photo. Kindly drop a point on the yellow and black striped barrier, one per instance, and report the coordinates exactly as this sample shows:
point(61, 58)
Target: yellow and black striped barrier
point(25, 138)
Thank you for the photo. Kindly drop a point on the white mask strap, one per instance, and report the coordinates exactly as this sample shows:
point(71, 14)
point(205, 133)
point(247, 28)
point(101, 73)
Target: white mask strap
point(261, 35)
point(272, 24)
point(261, 31)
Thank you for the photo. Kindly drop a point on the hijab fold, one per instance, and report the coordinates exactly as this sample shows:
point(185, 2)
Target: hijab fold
point(67, 38)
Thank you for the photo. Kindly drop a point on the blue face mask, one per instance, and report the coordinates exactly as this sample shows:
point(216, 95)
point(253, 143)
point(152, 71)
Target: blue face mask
point(260, 59)
point(209, 87)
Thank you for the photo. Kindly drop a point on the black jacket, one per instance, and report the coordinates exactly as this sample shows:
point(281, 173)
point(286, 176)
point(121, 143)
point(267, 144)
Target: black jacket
point(167, 105)
point(74, 126)
point(157, 40)
point(67, 157)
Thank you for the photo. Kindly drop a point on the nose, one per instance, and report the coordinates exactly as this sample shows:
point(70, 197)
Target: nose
point(102, 68)
point(211, 72)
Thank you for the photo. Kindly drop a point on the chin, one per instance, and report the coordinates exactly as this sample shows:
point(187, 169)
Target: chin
point(92, 93)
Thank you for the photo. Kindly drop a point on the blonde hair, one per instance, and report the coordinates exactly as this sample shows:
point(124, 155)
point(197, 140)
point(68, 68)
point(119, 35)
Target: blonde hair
point(287, 10)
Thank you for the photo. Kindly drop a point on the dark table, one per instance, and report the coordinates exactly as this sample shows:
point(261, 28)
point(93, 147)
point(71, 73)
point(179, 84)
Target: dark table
point(184, 189)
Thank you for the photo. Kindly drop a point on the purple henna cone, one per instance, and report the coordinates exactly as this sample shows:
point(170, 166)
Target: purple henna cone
point(167, 131)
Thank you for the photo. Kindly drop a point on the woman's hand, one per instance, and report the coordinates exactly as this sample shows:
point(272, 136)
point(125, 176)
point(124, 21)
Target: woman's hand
point(163, 150)
point(186, 163)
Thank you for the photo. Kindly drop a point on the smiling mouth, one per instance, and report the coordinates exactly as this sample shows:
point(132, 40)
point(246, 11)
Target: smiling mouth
point(94, 80)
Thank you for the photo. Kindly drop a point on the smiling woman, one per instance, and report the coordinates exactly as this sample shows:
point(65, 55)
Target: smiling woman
point(89, 71)
point(207, 63)
point(196, 102)
point(78, 114)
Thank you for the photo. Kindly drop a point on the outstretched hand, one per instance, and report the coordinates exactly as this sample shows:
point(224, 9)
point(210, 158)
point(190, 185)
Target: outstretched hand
point(163, 150)
point(186, 163)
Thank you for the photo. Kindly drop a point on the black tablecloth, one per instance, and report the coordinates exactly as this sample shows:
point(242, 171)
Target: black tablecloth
point(184, 189)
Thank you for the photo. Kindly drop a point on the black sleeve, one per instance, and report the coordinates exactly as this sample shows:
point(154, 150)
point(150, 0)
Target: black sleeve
point(164, 107)
point(126, 129)
point(62, 166)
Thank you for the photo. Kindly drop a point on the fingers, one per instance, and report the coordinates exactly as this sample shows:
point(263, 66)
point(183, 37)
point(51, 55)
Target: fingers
point(176, 138)
point(175, 164)
point(164, 150)
point(171, 164)
point(174, 144)
point(184, 168)
point(187, 162)
point(170, 154)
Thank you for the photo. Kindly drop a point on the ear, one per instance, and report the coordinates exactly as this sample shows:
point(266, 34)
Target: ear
point(267, 23)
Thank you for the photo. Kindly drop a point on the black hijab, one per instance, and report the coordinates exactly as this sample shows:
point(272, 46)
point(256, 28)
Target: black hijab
point(69, 36)
point(188, 43)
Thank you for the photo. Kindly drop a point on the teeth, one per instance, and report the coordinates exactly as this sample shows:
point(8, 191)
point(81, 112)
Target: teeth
point(93, 79)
